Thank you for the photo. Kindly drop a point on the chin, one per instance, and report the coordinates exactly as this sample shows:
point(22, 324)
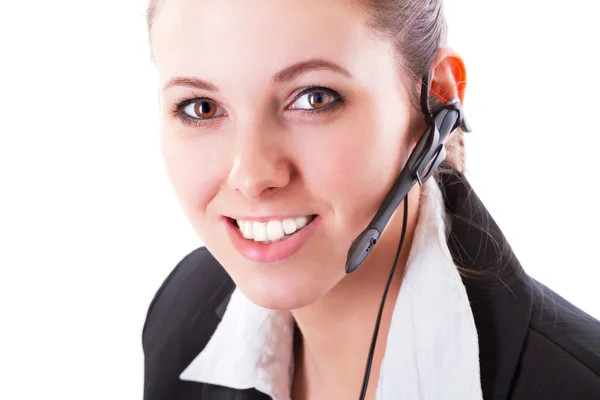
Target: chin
point(280, 291)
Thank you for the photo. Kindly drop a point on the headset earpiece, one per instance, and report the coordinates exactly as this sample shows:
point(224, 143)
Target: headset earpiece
point(446, 118)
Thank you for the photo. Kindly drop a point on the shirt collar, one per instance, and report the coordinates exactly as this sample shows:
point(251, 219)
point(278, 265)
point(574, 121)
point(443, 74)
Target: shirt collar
point(432, 348)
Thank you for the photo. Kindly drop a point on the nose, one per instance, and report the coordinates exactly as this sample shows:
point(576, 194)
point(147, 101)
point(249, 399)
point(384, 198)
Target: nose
point(260, 164)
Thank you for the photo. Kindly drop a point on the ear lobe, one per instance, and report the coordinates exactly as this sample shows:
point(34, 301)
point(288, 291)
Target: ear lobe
point(449, 76)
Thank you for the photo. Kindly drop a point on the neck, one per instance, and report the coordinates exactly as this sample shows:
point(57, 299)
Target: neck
point(336, 331)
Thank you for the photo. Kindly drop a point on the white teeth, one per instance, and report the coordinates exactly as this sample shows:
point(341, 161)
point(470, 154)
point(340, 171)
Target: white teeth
point(246, 228)
point(272, 231)
point(289, 226)
point(301, 222)
point(275, 230)
point(259, 231)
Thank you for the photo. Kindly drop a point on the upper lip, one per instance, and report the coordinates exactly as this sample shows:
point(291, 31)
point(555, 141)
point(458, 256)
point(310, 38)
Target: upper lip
point(264, 218)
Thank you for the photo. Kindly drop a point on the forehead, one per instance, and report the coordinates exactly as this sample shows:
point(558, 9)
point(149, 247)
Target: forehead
point(254, 38)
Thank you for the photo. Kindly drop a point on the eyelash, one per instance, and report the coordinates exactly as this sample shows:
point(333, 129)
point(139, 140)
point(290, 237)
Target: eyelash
point(178, 108)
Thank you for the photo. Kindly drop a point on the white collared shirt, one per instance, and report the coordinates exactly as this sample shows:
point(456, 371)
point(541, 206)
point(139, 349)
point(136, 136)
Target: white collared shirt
point(432, 350)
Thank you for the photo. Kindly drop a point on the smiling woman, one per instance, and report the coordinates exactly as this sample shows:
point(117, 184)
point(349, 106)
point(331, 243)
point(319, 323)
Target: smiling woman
point(288, 127)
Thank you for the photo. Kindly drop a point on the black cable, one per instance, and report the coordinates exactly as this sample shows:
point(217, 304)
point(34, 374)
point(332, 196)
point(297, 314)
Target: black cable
point(365, 384)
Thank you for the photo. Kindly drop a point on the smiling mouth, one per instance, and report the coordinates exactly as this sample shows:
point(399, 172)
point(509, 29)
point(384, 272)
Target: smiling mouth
point(271, 231)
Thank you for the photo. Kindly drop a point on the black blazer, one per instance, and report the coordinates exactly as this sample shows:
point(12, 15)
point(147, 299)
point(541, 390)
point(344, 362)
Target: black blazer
point(533, 344)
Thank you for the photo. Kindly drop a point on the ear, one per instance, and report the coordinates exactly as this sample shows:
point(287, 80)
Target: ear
point(449, 78)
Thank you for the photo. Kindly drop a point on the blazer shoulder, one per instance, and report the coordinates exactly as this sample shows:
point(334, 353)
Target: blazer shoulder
point(196, 279)
point(180, 321)
point(561, 354)
point(570, 328)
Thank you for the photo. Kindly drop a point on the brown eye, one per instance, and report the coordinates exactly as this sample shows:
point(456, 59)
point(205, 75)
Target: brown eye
point(319, 99)
point(204, 109)
point(314, 100)
point(199, 110)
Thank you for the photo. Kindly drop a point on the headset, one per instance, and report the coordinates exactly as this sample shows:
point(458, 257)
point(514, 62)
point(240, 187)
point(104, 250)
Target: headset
point(427, 155)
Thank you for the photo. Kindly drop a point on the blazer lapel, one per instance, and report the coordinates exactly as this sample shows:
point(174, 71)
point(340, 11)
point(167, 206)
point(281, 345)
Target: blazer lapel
point(498, 288)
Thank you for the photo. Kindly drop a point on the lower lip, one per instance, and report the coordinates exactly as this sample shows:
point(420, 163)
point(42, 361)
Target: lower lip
point(269, 252)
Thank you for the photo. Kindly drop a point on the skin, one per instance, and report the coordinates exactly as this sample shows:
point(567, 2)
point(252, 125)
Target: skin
point(261, 157)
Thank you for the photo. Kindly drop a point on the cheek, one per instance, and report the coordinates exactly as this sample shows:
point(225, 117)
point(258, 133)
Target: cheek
point(193, 167)
point(355, 166)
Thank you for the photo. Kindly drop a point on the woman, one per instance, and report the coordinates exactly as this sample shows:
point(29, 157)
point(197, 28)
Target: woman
point(285, 125)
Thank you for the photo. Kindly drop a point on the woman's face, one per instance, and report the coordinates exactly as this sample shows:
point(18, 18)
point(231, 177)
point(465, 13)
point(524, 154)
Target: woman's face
point(259, 146)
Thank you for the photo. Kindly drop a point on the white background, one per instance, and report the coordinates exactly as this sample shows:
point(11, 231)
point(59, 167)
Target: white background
point(89, 227)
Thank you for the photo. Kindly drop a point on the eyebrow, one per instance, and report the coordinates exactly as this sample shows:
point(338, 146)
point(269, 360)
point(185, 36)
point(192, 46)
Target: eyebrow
point(302, 67)
point(287, 74)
